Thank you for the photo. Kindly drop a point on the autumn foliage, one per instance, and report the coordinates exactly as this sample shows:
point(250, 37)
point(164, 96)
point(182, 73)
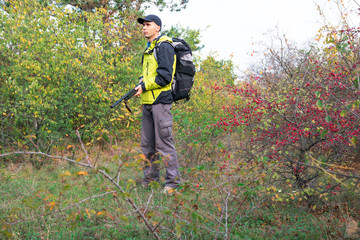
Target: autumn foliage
point(62, 69)
point(261, 154)
point(301, 113)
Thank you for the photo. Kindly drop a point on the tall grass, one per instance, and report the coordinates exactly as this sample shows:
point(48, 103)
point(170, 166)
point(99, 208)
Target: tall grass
point(54, 202)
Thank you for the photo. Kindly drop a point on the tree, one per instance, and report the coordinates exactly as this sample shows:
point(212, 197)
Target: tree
point(191, 36)
point(56, 77)
point(124, 5)
point(303, 114)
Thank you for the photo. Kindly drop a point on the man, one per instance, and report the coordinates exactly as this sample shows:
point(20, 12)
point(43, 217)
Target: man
point(156, 97)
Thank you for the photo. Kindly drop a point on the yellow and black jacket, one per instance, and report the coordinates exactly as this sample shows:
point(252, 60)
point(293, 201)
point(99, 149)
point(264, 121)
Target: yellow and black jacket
point(158, 71)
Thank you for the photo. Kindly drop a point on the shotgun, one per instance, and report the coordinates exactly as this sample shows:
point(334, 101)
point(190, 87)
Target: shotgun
point(126, 97)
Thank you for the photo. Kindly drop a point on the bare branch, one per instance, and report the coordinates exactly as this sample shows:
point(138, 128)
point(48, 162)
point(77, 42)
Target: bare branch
point(129, 200)
point(82, 145)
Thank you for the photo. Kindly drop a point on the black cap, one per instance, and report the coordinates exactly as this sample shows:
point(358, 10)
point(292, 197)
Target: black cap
point(150, 18)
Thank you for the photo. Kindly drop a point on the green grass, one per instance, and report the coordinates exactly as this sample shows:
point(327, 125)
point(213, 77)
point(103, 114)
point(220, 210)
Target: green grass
point(197, 213)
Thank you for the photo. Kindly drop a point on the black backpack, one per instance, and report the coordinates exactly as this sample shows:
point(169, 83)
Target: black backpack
point(185, 70)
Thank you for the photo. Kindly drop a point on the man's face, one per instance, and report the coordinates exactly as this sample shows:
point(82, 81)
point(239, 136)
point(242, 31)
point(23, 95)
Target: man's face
point(150, 30)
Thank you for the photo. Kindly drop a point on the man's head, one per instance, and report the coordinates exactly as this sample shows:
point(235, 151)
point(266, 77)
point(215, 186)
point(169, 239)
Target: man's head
point(150, 18)
point(151, 26)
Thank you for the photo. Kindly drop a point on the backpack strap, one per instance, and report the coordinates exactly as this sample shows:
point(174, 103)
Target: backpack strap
point(157, 47)
point(152, 50)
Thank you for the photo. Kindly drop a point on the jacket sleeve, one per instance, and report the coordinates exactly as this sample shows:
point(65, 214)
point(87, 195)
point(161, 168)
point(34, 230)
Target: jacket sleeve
point(165, 59)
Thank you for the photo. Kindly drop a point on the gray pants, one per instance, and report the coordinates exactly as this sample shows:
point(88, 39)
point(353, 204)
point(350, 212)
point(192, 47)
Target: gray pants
point(156, 139)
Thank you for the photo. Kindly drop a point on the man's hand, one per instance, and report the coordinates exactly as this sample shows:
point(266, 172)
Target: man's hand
point(139, 90)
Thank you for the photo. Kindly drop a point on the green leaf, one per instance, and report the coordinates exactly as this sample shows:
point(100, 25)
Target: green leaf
point(353, 141)
point(323, 133)
point(319, 104)
point(317, 94)
point(167, 212)
point(196, 216)
point(124, 218)
point(356, 104)
point(201, 167)
point(178, 230)
point(154, 185)
point(328, 119)
point(343, 113)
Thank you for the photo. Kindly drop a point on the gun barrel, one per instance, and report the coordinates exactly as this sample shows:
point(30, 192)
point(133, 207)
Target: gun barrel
point(117, 102)
point(127, 96)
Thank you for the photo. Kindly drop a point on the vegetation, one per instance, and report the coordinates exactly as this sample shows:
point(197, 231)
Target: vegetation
point(274, 154)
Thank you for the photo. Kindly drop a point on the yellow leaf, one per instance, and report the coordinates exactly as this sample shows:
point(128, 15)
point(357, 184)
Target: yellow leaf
point(69, 146)
point(219, 207)
point(88, 213)
point(67, 173)
point(99, 213)
point(51, 205)
point(82, 173)
point(30, 136)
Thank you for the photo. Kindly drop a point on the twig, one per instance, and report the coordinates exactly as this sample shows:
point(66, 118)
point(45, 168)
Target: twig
point(235, 215)
point(46, 155)
point(148, 202)
point(226, 214)
point(157, 225)
point(82, 145)
point(328, 171)
point(132, 204)
point(35, 145)
point(218, 226)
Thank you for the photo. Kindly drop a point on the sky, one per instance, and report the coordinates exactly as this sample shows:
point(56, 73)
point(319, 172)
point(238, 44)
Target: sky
point(235, 27)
